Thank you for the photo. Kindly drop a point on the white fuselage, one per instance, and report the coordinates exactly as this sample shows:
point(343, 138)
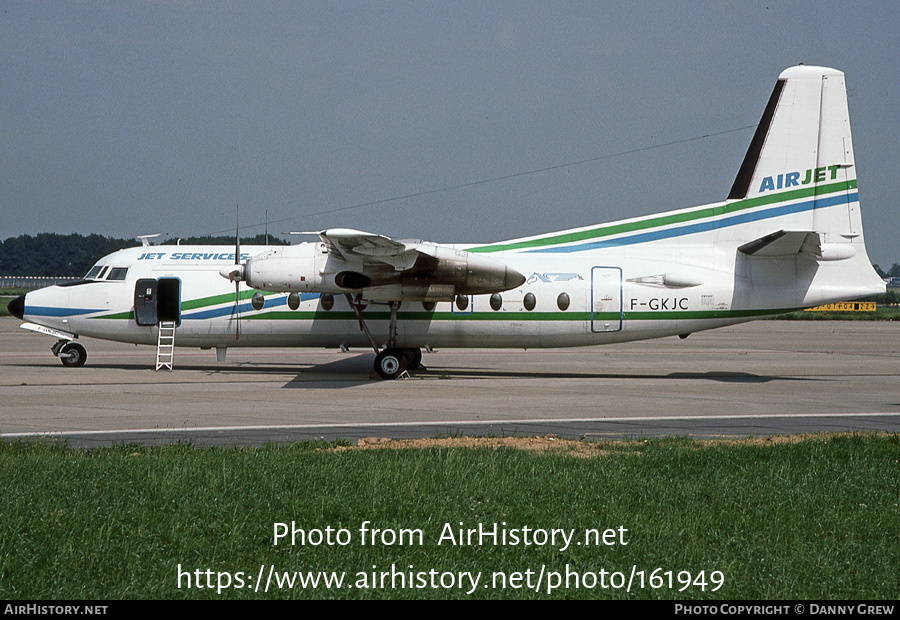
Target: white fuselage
point(579, 299)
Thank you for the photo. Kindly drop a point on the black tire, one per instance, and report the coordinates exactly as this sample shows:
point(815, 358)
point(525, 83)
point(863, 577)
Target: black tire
point(73, 355)
point(413, 358)
point(390, 363)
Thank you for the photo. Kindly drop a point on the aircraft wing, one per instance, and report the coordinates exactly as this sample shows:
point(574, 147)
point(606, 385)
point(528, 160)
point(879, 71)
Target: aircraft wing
point(355, 245)
point(386, 261)
point(378, 268)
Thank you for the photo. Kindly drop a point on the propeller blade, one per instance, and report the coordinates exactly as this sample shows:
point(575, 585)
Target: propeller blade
point(237, 309)
point(237, 237)
point(237, 273)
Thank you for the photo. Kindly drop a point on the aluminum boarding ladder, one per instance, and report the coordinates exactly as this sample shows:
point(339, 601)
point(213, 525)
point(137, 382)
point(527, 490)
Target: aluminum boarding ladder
point(165, 345)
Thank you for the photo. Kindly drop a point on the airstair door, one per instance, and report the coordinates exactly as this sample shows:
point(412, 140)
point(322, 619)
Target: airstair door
point(145, 302)
point(606, 299)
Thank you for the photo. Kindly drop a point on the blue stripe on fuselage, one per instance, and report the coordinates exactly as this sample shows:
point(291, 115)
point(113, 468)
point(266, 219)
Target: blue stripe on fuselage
point(52, 311)
point(680, 231)
point(245, 307)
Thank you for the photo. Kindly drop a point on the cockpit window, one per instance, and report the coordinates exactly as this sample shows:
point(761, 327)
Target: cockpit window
point(117, 273)
point(93, 273)
point(102, 273)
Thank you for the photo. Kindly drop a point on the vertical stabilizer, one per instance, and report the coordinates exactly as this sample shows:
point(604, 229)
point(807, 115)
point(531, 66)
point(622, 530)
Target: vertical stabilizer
point(802, 148)
point(803, 139)
point(797, 185)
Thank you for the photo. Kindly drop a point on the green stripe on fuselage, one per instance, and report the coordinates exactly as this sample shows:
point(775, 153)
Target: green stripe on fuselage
point(193, 304)
point(126, 316)
point(678, 315)
point(338, 315)
point(666, 220)
point(215, 300)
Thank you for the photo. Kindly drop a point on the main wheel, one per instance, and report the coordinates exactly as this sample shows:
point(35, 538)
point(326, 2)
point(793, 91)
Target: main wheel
point(413, 358)
point(390, 363)
point(73, 355)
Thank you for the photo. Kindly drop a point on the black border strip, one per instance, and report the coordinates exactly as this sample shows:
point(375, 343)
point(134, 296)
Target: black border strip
point(745, 174)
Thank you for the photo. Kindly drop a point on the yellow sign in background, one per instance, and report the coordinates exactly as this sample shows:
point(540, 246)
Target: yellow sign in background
point(846, 306)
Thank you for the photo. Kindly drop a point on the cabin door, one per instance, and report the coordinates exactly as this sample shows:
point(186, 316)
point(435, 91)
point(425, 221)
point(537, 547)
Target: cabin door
point(157, 301)
point(145, 301)
point(606, 299)
point(168, 304)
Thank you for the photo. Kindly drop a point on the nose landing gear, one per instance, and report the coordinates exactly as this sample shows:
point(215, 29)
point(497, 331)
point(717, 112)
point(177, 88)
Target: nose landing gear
point(71, 354)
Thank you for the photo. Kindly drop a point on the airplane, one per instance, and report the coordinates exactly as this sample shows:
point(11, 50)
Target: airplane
point(788, 236)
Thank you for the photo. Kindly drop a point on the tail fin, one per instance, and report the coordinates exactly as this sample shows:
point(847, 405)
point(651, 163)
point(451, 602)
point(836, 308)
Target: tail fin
point(803, 146)
point(800, 170)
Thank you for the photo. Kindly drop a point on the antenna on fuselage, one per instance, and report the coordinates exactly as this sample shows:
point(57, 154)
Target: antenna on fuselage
point(145, 239)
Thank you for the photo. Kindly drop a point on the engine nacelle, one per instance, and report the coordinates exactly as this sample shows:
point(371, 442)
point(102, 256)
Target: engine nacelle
point(287, 268)
point(470, 274)
point(352, 280)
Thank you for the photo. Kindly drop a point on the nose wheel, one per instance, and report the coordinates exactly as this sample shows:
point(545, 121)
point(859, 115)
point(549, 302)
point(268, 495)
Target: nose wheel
point(71, 354)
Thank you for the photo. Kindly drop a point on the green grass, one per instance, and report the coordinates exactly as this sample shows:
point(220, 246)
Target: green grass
point(882, 313)
point(814, 519)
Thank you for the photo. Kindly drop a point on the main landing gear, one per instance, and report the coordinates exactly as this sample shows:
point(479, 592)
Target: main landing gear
point(392, 361)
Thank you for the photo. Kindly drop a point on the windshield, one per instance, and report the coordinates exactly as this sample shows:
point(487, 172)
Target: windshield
point(117, 273)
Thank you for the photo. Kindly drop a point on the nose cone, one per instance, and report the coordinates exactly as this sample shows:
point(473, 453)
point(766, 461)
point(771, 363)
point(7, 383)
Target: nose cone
point(232, 273)
point(17, 307)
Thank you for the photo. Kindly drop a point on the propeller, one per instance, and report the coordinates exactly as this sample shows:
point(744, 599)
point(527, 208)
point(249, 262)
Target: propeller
point(237, 284)
point(236, 274)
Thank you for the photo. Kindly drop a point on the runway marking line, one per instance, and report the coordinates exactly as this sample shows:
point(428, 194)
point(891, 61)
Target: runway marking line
point(213, 429)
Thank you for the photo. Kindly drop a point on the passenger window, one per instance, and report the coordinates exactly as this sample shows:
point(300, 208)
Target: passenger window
point(117, 273)
point(529, 302)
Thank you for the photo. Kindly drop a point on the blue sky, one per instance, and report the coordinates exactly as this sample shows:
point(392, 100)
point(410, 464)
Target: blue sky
point(128, 118)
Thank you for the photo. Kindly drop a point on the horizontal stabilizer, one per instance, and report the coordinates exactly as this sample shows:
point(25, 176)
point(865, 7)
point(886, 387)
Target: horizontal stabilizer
point(784, 243)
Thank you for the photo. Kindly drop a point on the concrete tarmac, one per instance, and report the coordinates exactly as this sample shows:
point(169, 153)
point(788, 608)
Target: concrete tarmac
point(761, 378)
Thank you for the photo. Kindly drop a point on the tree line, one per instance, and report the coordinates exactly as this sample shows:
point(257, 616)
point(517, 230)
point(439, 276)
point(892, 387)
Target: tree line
point(52, 254)
point(893, 272)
